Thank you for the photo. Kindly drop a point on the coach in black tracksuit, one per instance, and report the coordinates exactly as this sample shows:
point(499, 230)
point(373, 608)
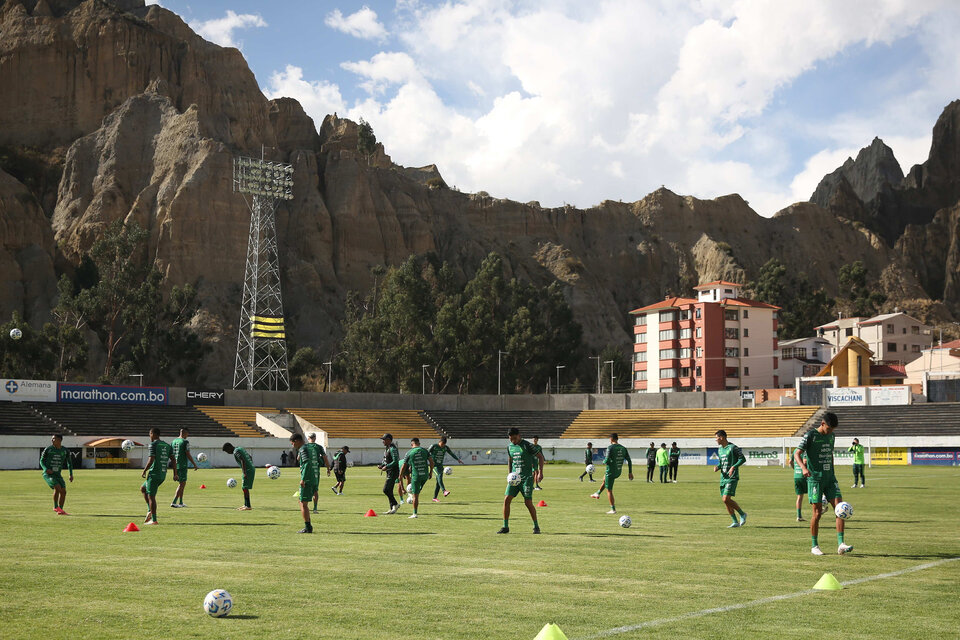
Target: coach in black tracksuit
point(674, 461)
point(651, 461)
point(587, 460)
point(390, 464)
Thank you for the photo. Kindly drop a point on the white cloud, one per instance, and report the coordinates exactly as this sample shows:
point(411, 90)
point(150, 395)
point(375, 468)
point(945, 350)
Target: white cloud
point(220, 30)
point(317, 98)
point(818, 165)
point(362, 24)
point(384, 70)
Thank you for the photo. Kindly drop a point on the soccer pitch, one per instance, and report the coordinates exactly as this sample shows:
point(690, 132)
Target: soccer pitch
point(448, 575)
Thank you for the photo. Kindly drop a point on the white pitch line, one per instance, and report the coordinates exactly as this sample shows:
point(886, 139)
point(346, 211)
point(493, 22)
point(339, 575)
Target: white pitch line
point(753, 603)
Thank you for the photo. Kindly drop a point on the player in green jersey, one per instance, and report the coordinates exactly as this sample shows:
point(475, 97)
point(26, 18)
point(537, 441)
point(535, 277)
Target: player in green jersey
point(417, 467)
point(857, 450)
point(730, 459)
point(181, 453)
point(663, 463)
point(160, 453)
point(437, 453)
point(390, 465)
point(799, 483)
point(818, 469)
point(651, 461)
point(674, 455)
point(321, 455)
point(616, 454)
point(528, 464)
point(587, 460)
point(340, 469)
point(309, 476)
point(245, 460)
point(537, 449)
point(52, 460)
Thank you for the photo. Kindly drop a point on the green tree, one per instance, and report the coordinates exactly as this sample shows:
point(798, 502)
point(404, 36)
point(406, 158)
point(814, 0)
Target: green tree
point(863, 300)
point(366, 140)
point(802, 306)
point(66, 332)
point(32, 356)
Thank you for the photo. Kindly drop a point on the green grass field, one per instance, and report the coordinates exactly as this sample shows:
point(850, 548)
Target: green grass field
point(447, 575)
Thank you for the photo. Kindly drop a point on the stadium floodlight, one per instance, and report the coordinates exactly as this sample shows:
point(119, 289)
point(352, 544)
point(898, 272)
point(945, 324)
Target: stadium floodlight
point(261, 341)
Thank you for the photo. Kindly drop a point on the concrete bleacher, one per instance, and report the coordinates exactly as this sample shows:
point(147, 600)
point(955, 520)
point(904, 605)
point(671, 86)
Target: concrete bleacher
point(362, 423)
point(129, 420)
point(690, 423)
point(19, 419)
point(494, 424)
point(239, 421)
point(940, 419)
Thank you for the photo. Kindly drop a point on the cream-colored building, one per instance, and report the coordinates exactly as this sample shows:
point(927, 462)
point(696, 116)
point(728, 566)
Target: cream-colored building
point(894, 338)
point(938, 359)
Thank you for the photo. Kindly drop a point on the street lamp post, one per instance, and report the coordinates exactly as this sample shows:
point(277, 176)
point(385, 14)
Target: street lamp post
point(138, 375)
point(329, 373)
point(597, 358)
point(559, 366)
point(423, 379)
point(610, 362)
point(499, 353)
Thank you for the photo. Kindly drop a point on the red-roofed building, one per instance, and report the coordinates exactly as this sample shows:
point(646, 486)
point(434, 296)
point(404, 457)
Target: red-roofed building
point(714, 342)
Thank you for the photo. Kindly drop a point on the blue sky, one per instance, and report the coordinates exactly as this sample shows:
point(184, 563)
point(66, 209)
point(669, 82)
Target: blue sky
point(565, 101)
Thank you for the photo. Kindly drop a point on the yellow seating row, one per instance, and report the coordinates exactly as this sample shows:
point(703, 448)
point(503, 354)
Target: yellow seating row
point(362, 423)
point(689, 423)
point(237, 419)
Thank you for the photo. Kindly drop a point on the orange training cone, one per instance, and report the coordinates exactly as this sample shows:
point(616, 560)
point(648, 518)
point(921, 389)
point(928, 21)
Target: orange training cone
point(370, 514)
point(203, 486)
point(541, 504)
point(131, 527)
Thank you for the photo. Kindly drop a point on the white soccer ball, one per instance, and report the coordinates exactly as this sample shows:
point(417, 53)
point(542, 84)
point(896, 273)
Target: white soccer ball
point(590, 468)
point(409, 498)
point(447, 471)
point(273, 473)
point(127, 445)
point(409, 487)
point(201, 457)
point(16, 334)
point(218, 603)
point(513, 479)
point(231, 483)
point(625, 522)
point(843, 510)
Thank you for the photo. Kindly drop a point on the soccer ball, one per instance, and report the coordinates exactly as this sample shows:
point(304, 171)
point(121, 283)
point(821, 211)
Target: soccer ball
point(218, 603)
point(843, 510)
point(273, 473)
point(16, 334)
point(201, 457)
point(409, 487)
point(590, 469)
point(447, 471)
point(409, 498)
point(513, 479)
point(127, 445)
point(625, 522)
point(231, 483)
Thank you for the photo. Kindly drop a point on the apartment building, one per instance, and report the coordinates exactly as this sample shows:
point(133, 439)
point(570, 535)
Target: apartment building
point(802, 357)
point(894, 338)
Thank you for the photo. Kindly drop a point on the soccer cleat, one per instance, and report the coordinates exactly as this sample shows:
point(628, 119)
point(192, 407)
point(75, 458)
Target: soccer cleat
point(174, 505)
point(315, 511)
point(743, 519)
point(674, 481)
point(854, 486)
point(305, 530)
point(592, 480)
point(581, 478)
point(149, 522)
point(244, 508)
point(148, 518)
point(538, 489)
point(183, 506)
point(57, 510)
point(435, 500)
point(612, 511)
point(413, 516)
point(816, 551)
point(800, 519)
point(446, 493)
point(733, 525)
point(504, 530)
point(334, 489)
point(844, 548)
point(536, 529)
point(595, 496)
point(392, 510)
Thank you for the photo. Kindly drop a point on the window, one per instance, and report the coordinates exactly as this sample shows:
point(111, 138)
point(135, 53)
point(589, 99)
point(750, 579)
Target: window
point(668, 373)
point(666, 354)
point(731, 352)
point(746, 333)
point(668, 334)
point(728, 290)
point(915, 348)
point(732, 333)
point(699, 332)
point(730, 314)
point(787, 354)
point(732, 372)
point(685, 333)
point(685, 314)
point(641, 375)
point(698, 370)
point(746, 314)
point(640, 356)
point(638, 337)
point(746, 352)
point(746, 371)
point(684, 372)
point(697, 313)
point(668, 316)
point(641, 320)
point(915, 330)
point(890, 328)
point(699, 352)
point(848, 332)
point(904, 330)
point(684, 353)
point(892, 347)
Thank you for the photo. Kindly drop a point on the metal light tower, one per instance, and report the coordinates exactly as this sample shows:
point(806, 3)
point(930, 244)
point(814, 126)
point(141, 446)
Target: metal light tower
point(261, 340)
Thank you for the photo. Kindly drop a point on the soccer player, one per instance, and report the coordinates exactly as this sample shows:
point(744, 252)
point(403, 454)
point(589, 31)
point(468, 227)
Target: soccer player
point(390, 464)
point(857, 449)
point(674, 461)
point(663, 462)
point(160, 453)
point(537, 449)
point(616, 454)
point(181, 453)
point(340, 469)
point(245, 460)
point(799, 483)
point(651, 461)
point(309, 476)
point(821, 479)
point(522, 457)
point(321, 455)
point(587, 460)
point(730, 459)
point(52, 461)
point(437, 453)
point(418, 467)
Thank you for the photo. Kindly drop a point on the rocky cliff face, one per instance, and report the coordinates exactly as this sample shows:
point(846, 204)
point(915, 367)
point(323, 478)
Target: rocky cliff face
point(153, 114)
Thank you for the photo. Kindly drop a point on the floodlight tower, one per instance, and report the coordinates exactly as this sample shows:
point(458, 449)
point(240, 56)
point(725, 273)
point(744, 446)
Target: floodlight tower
point(261, 340)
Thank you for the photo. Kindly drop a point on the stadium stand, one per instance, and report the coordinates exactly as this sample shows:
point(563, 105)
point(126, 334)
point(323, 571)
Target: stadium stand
point(909, 420)
point(131, 420)
point(494, 424)
point(362, 423)
point(241, 421)
point(690, 423)
point(19, 419)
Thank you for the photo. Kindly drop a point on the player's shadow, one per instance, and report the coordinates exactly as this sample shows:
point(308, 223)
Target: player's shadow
point(468, 517)
point(911, 556)
point(386, 533)
point(890, 521)
point(609, 535)
point(223, 524)
point(242, 616)
point(675, 513)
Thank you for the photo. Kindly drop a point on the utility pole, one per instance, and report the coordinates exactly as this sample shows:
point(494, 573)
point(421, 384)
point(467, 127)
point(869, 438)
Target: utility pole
point(559, 366)
point(610, 362)
point(499, 353)
point(597, 358)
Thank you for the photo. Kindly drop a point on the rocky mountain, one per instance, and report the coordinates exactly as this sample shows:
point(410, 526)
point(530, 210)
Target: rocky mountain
point(140, 117)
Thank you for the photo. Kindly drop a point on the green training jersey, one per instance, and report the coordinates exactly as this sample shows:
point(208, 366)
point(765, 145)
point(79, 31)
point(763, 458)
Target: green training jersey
point(797, 469)
point(320, 454)
point(309, 457)
point(241, 454)
point(537, 449)
point(616, 454)
point(663, 457)
point(180, 448)
point(419, 462)
point(53, 460)
point(160, 451)
point(819, 450)
point(674, 454)
point(729, 459)
point(391, 458)
point(523, 458)
point(438, 453)
point(857, 453)
point(588, 456)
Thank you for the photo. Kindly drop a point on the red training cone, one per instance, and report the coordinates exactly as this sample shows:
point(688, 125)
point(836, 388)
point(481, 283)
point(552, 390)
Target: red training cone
point(370, 514)
point(131, 527)
point(541, 504)
point(203, 486)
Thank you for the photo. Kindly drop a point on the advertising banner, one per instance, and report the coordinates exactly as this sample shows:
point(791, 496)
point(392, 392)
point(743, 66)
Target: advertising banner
point(762, 455)
point(205, 396)
point(889, 395)
point(935, 456)
point(105, 394)
point(890, 456)
point(14, 390)
point(841, 456)
point(694, 456)
point(712, 458)
point(847, 397)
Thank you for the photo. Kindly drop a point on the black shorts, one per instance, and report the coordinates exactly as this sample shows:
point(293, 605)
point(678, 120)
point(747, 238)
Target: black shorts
point(340, 476)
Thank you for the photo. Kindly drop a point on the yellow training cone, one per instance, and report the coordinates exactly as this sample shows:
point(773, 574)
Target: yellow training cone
point(828, 583)
point(550, 632)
